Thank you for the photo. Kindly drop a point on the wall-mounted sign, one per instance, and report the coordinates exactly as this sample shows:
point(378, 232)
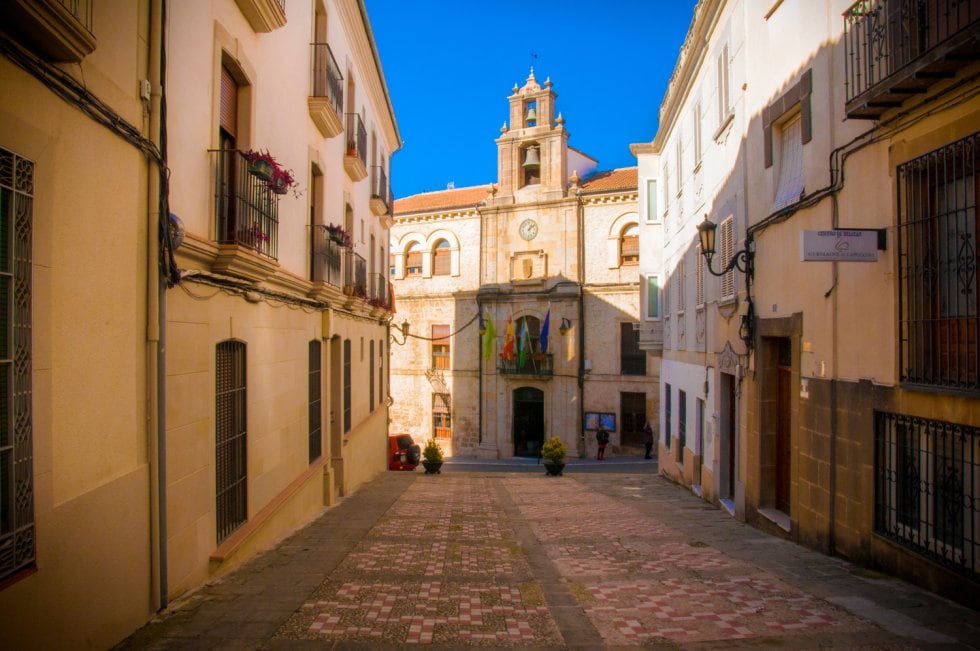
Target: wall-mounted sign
point(839, 245)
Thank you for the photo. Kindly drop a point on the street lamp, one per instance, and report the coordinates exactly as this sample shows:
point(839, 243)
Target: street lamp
point(744, 261)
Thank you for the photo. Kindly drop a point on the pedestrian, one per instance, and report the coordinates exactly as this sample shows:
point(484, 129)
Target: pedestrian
point(647, 440)
point(602, 438)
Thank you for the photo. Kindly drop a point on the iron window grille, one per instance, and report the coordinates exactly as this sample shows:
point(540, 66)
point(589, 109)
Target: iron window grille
point(327, 80)
point(17, 532)
point(231, 462)
point(937, 252)
point(315, 385)
point(371, 375)
point(926, 488)
point(347, 386)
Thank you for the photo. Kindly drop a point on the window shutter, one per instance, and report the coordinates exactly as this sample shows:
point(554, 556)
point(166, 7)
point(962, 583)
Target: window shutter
point(681, 285)
point(440, 335)
point(699, 278)
point(228, 116)
point(440, 262)
point(727, 250)
point(630, 249)
point(413, 262)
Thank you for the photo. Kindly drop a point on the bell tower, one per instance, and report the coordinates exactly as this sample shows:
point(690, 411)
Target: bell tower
point(532, 153)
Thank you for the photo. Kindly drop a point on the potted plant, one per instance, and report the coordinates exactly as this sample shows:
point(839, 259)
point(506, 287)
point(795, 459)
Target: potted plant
point(281, 180)
point(432, 457)
point(553, 452)
point(339, 236)
point(261, 164)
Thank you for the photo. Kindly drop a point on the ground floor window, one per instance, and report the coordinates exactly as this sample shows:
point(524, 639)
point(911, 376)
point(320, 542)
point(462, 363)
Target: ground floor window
point(231, 463)
point(442, 427)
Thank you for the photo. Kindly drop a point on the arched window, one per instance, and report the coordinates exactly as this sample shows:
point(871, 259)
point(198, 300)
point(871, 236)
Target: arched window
point(629, 246)
point(440, 258)
point(413, 259)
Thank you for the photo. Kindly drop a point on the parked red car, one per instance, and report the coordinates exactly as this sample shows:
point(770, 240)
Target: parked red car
point(403, 452)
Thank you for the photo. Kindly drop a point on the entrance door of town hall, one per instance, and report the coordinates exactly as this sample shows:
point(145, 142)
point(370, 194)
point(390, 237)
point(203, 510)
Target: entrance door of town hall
point(528, 421)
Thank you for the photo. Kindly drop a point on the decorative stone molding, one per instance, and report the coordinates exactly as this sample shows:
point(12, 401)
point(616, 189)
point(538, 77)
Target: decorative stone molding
point(263, 15)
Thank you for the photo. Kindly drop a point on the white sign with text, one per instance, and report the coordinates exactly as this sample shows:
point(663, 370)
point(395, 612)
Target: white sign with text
point(839, 245)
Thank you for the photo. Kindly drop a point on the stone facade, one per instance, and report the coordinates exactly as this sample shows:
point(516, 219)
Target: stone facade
point(544, 242)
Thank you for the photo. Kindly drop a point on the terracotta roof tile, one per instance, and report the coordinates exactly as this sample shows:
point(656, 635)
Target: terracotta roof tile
point(441, 200)
point(622, 179)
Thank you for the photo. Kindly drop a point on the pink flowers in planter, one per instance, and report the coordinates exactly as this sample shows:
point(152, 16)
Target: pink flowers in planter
point(262, 165)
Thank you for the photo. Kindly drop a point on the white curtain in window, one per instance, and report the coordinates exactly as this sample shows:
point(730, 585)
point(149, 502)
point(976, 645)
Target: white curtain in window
point(790, 183)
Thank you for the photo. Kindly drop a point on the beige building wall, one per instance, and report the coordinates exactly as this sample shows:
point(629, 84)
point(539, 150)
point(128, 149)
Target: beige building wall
point(80, 432)
point(275, 300)
point(822, 396)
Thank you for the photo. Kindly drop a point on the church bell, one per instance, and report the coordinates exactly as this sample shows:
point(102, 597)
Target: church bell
point(531, 157)
point(532, 115)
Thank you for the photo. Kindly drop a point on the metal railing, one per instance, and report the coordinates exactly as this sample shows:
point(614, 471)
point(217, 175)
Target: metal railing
point(360, 276)
point(247, 209)
point(541, 364)
point(379, 185)
point(882, 36)
point(327, 80)
point(328, 257)
point(82, 11)
point(356, 137)
point(378, 288)
point(927, 496)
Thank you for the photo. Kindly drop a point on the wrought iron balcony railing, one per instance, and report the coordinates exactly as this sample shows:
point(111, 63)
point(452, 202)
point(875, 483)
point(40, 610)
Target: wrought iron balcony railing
point(247, 209)
point(360, 276)
point(898, 48)
point(378, 288)
point(379, 186)
point(539, 364)
point(327, 80)
point(329, 258)
point(356, 137)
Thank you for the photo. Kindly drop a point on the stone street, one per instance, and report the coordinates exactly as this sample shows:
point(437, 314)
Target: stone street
point(607, 556)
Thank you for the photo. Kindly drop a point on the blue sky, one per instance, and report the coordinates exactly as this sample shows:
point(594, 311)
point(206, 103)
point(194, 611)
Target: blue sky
point(450, 67)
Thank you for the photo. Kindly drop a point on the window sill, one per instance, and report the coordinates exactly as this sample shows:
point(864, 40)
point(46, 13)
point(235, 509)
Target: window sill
point(723, 126)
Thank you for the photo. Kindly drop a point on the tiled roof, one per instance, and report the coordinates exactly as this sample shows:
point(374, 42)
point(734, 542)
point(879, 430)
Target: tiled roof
point(441, 200)
point(622, 179)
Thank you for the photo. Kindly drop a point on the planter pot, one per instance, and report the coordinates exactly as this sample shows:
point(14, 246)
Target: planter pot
point(337, 238)
point(432, 467)
point(553, 469)
point(278, 185)
point(261, 169)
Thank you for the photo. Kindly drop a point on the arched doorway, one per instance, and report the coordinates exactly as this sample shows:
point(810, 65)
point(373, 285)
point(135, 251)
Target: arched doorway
point(528, 421)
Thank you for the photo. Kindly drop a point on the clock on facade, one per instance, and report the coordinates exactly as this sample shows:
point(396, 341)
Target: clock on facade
point(529, 229)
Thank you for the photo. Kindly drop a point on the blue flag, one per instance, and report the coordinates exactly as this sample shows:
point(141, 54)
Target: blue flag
point(544, 331)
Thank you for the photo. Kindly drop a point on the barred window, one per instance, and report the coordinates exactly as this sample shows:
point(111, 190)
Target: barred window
point(442, 427)
point(347, 386)
point(371, 375)
point(231, 427)
point(441, 257)
point(440, 346)
point(937, 251)
point(315, 385)
point(17, 539)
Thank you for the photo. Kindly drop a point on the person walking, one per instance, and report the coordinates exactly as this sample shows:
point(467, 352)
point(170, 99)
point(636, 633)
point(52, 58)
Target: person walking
point(602, 438)
point(647, 440)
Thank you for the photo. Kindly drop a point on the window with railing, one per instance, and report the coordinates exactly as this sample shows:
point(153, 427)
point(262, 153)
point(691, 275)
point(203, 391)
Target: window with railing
point(356, 137)
point(17, 525)
point(329, 257)
point(327, 80)
point(379, 186)
point(230, 422)
point(360, 276)
point(927, 488)
point(247, 208)
point(937, 253)
point(315, 386)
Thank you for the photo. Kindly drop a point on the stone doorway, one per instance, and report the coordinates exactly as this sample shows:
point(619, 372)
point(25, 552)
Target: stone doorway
point(528, 421)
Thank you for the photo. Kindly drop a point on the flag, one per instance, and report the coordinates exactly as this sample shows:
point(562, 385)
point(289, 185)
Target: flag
point(488, 336)
point(508, 352)
point(544, 331)
point(523, 345)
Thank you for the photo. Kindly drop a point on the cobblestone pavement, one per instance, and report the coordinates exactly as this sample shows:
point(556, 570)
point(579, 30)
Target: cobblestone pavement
point(521, 560)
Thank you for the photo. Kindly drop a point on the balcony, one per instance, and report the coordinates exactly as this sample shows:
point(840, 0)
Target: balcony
point(897, 49)
point(651, 336)
point(380, 191)
point(328, 91)
point(58, 30)
point(247, 218)
point(355, 160)
point(536, 365)
point(263, 15)
point(329, 258)
point(377, 291)
point(358, 279)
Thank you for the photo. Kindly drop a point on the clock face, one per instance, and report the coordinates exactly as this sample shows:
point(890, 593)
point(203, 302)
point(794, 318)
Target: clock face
point(529, 229)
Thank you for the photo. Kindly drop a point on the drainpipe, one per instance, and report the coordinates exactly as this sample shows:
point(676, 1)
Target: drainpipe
point(582, 445)
point(156, 305)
